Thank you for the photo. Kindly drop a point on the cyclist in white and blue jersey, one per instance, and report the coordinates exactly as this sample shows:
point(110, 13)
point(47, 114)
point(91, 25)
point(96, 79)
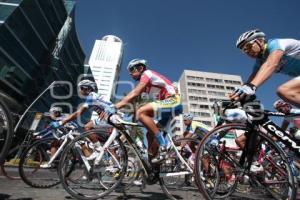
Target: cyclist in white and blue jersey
point(273, 55)
point(99, 103)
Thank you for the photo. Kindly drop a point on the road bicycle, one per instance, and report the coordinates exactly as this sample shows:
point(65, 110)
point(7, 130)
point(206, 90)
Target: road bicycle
point(10, 167)
point(6, 130)
point(46, 151)
point(262, 135)
point(104, 177)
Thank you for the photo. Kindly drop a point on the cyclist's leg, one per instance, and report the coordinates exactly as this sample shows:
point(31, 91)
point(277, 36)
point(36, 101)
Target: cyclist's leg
point(145, 115)
point(54, 146)
point(241, 141)
point(290, 91)
point(94, 139)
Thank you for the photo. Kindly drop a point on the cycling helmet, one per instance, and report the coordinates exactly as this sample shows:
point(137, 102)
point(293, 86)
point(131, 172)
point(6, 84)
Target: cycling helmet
point(249, 36)
point(55, 109)
point(280, 103)
point(87, 83)
point(297, 134)
point(136, 62)
point(188, 116)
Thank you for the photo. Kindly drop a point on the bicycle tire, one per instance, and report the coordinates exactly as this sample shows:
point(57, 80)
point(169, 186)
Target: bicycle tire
point(8, 167)
point(78, 189)
point(134, 169)
point(264, 139)
point(6, 130)
point(29, 167)
point(179, 186)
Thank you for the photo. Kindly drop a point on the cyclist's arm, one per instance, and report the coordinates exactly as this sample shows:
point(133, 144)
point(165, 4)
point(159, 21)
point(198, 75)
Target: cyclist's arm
point(134, 93)
point(252, 75)
point(74, 115)
point(268, 68)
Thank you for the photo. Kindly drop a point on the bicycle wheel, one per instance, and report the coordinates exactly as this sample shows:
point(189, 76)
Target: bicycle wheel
point(10, 167)
point(32, 158)
point(223, 157)
point(133, 171)
point(6, 130)
point(175, 179)
point(98, 180)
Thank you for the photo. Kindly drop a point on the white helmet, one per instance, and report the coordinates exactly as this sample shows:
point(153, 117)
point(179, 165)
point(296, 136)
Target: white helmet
point(280, 103)
point(188, 116)
point(297, 134)
point(87, 83)
point(136, 62)
point(249, 36)
point(55, 109)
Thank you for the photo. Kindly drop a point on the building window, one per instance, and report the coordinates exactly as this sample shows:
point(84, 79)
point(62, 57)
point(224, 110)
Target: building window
point(195, 78)
point(200, 114)
point(193, 98)
point(196, 84)
point(208, 123)
point(214, 80)
point(229, 88)
point(215, 93)
point(195, 91)
point(215, 86)
point(233, 82)
point(215, 99)
point(193, 105)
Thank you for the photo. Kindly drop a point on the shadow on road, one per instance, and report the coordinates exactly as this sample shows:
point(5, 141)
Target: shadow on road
point(7, 197)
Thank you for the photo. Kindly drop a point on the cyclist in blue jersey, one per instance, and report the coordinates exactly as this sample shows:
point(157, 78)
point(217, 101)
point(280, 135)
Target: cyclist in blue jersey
point(100, 104)
point(272, 56)
point(55, 115)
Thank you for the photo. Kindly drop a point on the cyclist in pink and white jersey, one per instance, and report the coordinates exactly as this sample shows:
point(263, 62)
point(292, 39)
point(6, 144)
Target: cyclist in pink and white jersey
point(167, 103)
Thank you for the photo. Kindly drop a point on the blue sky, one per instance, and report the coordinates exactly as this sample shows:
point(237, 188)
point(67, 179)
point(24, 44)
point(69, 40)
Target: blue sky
point(174, 35)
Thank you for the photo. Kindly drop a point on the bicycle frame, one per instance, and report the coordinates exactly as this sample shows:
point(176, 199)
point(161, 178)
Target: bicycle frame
point(145, 164)
point(277, 132)
point(65, 139)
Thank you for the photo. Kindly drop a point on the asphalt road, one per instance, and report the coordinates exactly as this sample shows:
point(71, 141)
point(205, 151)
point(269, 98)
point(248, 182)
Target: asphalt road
point(18, 190)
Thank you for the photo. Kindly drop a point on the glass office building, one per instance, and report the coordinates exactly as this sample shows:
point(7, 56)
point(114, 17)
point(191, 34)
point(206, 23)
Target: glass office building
point(39, 45)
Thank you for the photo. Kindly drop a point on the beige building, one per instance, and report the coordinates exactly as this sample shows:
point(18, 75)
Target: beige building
point(199, 90)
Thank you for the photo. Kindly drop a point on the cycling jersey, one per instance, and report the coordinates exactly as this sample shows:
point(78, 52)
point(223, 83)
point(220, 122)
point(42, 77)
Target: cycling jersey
point(197, 128)
point(157, 85)
point(99, 103)
point(290, 62)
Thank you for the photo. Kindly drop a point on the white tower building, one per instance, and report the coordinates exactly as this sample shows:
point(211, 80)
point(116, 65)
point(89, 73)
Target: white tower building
point(105, 61)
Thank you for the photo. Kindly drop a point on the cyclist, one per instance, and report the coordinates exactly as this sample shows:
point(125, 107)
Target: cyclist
point(274, 55)
point(100, 104)
point(287, 108)
point(168, 102)
point(55, 115)
point(193, 129)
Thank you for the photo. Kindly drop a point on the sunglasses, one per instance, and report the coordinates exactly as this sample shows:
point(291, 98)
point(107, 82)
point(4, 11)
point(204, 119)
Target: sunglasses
point(132, 69)
point(248, 46)
point(83, 88)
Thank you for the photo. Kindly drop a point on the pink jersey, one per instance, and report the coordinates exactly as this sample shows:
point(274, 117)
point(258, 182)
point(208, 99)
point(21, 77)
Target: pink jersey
point(157, 85)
